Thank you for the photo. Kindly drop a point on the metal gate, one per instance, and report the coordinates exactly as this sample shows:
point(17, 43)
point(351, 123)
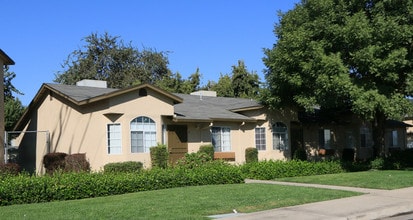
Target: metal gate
point(22, 147)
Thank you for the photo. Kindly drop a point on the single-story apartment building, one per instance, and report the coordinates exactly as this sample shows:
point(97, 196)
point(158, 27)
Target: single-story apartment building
point(115, 125)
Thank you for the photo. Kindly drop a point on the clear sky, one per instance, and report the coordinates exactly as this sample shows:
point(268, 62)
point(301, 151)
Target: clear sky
point(210, 34)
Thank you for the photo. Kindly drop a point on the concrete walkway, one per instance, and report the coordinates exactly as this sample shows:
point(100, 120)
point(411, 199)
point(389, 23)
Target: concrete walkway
point(374, 204)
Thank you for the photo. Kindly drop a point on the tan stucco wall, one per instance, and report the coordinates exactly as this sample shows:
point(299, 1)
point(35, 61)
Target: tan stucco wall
point(340, 135)
point(242, 137)
point(84, 130)
point(75, 129)
point(243, 134)
point(409, 129)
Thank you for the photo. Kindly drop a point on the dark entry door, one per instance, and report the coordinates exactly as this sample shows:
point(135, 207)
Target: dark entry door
point(177, 142)
point(296, 138)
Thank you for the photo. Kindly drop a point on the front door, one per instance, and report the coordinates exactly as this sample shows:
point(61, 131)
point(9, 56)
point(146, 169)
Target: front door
point(296, 139)
point(177, 142)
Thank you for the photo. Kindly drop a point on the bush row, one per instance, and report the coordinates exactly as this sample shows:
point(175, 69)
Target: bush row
point(66, 186)
point(123, 167)
point(272, 169)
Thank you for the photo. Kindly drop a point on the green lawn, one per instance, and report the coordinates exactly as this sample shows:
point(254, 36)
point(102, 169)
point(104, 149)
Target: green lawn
point(178, 203)
point(387, 179)
point(201, 201)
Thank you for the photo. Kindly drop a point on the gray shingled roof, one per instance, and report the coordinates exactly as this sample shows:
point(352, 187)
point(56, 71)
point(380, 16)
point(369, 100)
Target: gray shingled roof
point(193, 107)
point(212, 108)
point(80, 93)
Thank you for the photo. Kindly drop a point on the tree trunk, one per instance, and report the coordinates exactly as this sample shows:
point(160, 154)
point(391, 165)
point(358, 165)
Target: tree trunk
point(378, 125)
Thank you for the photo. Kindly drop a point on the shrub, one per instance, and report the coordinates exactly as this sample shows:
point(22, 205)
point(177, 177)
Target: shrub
point(251, 155)
point(9, 169)
point(273, 169)
point(76, 163)
point(300, 154)
point(159, 156)
point(348, 154)
point(355, 166)
point(54, 161)
point(208, 149)
point(378, 164)
point(66, 186)
point(123, 167)
point(193, 160)
point(400, 159)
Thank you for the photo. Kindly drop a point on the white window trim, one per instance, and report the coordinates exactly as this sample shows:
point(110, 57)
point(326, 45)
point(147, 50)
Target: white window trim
point(222, 146)
point(364, 130)
point(326, 138)
point(394, 139)
point(108, 147)
point(265, 138)
point(146, 149)
point(278, 134)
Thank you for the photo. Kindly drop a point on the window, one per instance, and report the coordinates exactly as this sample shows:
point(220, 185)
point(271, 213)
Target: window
point(280, 136)
point(349, 140)
point(325, 138)
point(221, 139)
point(409, 141)
point(260, 138)
point(114, 139)
point(143, 134)
point(365, 137)
point(394, 139)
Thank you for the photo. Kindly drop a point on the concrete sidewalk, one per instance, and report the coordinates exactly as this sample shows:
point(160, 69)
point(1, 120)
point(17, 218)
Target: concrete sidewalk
point(374, 204)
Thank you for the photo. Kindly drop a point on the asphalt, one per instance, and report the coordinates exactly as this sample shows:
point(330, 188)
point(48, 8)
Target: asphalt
point(373, 204)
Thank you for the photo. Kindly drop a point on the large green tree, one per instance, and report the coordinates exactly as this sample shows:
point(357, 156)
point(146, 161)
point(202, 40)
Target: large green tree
point(105, 57)
point(13, 108)
point(245, 84)
point(344, 54)
point(240, 83)
point(175, 83)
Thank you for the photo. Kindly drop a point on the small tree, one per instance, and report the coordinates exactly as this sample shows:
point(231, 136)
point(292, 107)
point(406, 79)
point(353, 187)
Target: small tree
point(159, 156)
point(251, 155)
point(208, 149)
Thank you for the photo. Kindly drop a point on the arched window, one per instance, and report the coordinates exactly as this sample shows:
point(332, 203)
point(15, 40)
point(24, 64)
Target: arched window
point(143, 134)
point(280, 136)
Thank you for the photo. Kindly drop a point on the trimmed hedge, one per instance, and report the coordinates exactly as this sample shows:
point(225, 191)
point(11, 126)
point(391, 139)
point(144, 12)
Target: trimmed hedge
point(66, 186)
point(9, 169)
point(54, 162)
point(300, 154)
point(159, 156)
point(123, 167)
point(76, 163)
point(251, 155)
point(208, 149)
point(272, 169)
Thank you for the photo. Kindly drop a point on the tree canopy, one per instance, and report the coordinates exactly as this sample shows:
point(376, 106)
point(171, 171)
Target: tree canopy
point(346, 54)
point(240, 83)
point(175, 83)
point(13, 108)
point(105, 57)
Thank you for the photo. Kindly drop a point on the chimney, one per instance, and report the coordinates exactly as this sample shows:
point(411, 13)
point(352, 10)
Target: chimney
point(93, 83)
point(202, 93)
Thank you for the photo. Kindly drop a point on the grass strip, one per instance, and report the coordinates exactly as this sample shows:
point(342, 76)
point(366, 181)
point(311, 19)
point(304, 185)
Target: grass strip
point(386, 179)
point(195, 202)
